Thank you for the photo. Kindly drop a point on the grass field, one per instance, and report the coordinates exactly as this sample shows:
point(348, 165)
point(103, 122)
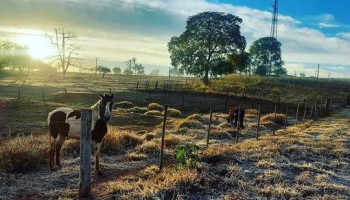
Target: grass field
point(307, 160)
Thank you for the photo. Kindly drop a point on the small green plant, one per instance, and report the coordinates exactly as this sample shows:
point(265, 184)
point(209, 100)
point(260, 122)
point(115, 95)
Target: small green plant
point(186, 154)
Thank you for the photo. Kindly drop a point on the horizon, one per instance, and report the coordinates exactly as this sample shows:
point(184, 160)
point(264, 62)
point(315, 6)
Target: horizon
point(311, 33)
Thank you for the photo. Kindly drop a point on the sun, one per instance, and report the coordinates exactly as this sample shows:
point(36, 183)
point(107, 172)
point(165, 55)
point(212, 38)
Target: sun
point(39, 46)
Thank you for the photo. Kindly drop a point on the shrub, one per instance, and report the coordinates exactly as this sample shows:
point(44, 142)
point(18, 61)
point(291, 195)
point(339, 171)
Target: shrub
point(123, 104)
point(270, 117)
point(23, 154)
point(154, 112)
point(150, 136)
point(172, 112)
point(155, 106)
point(252, 111)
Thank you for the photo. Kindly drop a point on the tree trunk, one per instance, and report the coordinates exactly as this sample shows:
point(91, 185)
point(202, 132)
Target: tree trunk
point(206, 77)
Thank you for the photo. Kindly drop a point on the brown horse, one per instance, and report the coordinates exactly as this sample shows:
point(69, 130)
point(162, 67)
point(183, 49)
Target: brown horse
point(234, 116)
point(66, 123)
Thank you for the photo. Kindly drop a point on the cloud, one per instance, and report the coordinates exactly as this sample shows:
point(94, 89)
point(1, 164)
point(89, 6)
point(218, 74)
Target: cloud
point(121, 29)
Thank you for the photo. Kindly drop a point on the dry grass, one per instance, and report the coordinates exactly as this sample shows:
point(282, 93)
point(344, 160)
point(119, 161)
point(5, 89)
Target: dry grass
point(137, 109)
point(155, 106)
point(123, 104)
point(172, 112)
point(23, 154)
point(154, 113)
point(119, 141)
point(269, 118)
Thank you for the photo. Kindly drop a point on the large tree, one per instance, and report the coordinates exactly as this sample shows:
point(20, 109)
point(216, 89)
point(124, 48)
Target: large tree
point(208, 40)
point(266, 59)
point(67, 49)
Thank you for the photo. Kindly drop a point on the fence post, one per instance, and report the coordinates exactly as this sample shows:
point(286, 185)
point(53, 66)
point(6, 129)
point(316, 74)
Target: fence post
point(312, 110)
point(163, 133)
point(156, 85)
point(304, 111)
point(110, 91)
point(286, 118)
point(327, 106)
point(257, 129)
point(85, 154)
point(227, 94)
point(331, 104)
point(150, 96)
point(19, 94)
point(209, 127)
point(183, 101)
point(274, 120)
point(137, 89)
point(315, 108)
point(297, 113)
point(43, 94)
point(123, 96)
point(65, 91)
point(239, 121)
point(348, 102)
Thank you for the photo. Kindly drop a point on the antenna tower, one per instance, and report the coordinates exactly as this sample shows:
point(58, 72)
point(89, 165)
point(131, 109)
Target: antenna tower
point(274, 20)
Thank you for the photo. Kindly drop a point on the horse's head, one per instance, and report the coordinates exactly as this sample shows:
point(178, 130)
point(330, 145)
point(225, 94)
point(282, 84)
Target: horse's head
point(106, 106)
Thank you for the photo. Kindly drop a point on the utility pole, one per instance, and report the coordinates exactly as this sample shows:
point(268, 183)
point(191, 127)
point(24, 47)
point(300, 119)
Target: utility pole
point(318, 71)
point(95, 65)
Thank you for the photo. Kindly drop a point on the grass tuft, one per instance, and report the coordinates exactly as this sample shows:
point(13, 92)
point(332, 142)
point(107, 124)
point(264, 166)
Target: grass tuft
point(123, 104)
point(23, 154)
point(155, 106)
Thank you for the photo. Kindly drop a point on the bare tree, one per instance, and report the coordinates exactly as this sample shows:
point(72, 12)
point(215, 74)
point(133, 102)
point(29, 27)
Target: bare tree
point(67, 49)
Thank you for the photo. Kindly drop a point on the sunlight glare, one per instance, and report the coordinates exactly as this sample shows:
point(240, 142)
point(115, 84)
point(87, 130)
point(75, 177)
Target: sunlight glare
point(39, 46)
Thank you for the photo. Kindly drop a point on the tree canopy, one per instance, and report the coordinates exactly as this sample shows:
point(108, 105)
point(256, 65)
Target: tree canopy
point(134, 68)
point(103, 70)
point(266, 59)
point(208, 40)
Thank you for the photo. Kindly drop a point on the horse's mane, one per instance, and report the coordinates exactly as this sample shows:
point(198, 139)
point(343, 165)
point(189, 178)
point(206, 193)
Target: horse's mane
point(95, 111)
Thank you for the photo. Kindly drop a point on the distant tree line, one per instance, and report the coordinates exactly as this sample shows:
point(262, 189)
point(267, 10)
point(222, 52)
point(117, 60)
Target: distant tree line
point(212, 45)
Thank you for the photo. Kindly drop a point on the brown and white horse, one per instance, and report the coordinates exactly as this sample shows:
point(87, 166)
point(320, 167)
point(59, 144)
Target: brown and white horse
point(66, 123)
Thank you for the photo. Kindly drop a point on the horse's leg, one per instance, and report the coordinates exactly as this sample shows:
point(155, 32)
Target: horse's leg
point(59, 144)
point(52, 153)
point(97, 155)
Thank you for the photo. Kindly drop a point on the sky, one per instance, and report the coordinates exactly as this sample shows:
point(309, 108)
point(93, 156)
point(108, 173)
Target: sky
point(311, 32)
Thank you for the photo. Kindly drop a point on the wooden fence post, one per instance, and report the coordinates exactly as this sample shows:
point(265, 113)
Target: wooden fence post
point(257, 129)
point(110, 91)
point(327, 106)
point(348, 102)
point(85, 154)
point(312, 110)
point(137, 89)
point(183, 101)
point(19, 94)
point(150, 96)
point(238, 121)
point(156, 85)
point(286, 118)
point(305, 107)
point(274, 120)
point(123, 96)
point(297, 113)
point(65, 91)
point(43, 94)
point(331, 104)
point(163, 134)
point(209, 127)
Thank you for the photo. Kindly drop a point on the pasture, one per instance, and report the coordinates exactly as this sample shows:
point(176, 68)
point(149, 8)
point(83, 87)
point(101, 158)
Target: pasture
point(307, 160)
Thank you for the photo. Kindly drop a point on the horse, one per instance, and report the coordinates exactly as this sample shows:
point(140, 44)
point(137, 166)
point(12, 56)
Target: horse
point(233, 117)
point(66, 122)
